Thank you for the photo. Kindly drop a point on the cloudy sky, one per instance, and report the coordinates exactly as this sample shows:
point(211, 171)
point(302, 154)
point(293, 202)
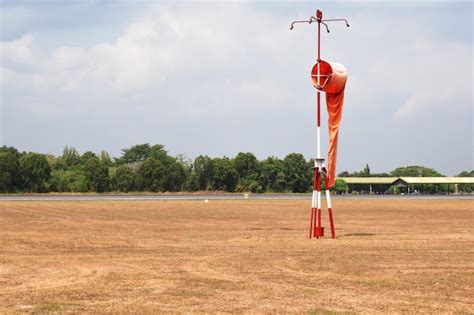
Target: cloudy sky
point(220, 78)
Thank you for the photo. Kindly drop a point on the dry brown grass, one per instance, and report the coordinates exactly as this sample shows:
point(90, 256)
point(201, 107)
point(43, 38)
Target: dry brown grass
point(235, 256)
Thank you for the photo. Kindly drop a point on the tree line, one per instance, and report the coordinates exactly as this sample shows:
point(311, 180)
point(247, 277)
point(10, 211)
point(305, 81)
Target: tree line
point(146, 167)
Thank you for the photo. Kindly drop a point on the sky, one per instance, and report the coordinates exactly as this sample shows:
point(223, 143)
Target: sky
point(218, 78)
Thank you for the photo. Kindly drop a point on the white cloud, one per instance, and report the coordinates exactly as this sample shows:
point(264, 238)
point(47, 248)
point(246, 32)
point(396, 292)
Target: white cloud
point(164, 45)
point(17, 51)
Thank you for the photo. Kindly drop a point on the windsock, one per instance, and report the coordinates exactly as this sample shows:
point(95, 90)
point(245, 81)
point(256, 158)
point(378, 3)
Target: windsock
point(331, 78)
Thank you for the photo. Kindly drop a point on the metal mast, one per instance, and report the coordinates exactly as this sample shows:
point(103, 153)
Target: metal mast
point(316, 230)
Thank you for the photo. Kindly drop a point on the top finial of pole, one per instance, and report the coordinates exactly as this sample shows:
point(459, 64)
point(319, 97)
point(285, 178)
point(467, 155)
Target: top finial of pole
point(319, 15)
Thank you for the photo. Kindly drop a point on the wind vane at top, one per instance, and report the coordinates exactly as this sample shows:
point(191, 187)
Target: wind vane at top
point(319, 19)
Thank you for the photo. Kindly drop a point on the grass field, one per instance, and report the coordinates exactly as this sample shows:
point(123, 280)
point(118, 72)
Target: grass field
point(397, 256)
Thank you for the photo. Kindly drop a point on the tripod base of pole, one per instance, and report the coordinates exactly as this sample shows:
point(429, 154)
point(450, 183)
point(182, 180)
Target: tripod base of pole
point(315, 227)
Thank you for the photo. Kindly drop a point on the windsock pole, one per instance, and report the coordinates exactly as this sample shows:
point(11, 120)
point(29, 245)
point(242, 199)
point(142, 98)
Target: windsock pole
point(319, 171)
point(318, 230)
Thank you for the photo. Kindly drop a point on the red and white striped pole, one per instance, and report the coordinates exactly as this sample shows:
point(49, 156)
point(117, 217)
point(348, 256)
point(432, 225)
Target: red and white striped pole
point(319, 230)
point(315, 226)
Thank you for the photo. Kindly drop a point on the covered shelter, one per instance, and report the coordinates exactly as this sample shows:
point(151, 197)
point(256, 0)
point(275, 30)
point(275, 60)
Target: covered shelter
point(414, 181)
point(410, 183)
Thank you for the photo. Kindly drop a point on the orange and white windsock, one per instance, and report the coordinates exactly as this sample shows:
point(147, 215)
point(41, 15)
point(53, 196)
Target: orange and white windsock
point(331, 78)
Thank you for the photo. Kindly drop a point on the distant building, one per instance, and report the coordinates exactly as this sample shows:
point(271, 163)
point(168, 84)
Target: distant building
point(409, 185)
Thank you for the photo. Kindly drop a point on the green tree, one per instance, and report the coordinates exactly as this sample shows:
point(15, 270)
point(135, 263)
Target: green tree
point(204, 169)
point(95, 172)
point(136, 153)
point(123, 179)
point(175, 176)
point(340, 186)
point(9, 171)
point(280, 183)
point(415, 171)
point(190, 177)
point(224, 175)
point(246, 164)
point(249, 184)
point(345, 174)
point(272, 177)
point(11, 150)
point(151, 175)
point(158, 152)
point(105, 158)
point(35, 172)
point(69, 159)
point(86, 156)
point(72, 180)
point(366, 170)
point(296, 172)
point(192, 182)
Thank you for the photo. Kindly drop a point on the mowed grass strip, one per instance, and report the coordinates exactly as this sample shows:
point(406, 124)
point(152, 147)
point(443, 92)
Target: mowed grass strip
point(236, 256)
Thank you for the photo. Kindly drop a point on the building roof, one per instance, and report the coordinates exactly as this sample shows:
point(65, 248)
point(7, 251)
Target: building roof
point(408, 180)
point(437, 180)
point(369, 180)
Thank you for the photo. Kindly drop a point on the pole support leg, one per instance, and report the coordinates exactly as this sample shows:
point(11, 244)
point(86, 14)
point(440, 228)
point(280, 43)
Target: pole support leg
point(319, 230)
point(328, 201)
point(312, 215)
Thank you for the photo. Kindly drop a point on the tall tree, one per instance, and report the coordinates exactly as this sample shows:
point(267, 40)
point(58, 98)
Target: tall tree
point(345, 174)
point(35, 172)
point(245, 164)
point(136, 153)
point(466, 174)
point(272, 177)
point(123, 179)
point(224, 175)
point(105, 158)
point(366, 170)
point(95, 172)
point(158, 152)
point(151, 175)
point(296, 172)
point(175, 176)
point(415, 171)
point(204, 170)
point(69, 159)
point(9, 171)
point(86, 156)
point(12, 150)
